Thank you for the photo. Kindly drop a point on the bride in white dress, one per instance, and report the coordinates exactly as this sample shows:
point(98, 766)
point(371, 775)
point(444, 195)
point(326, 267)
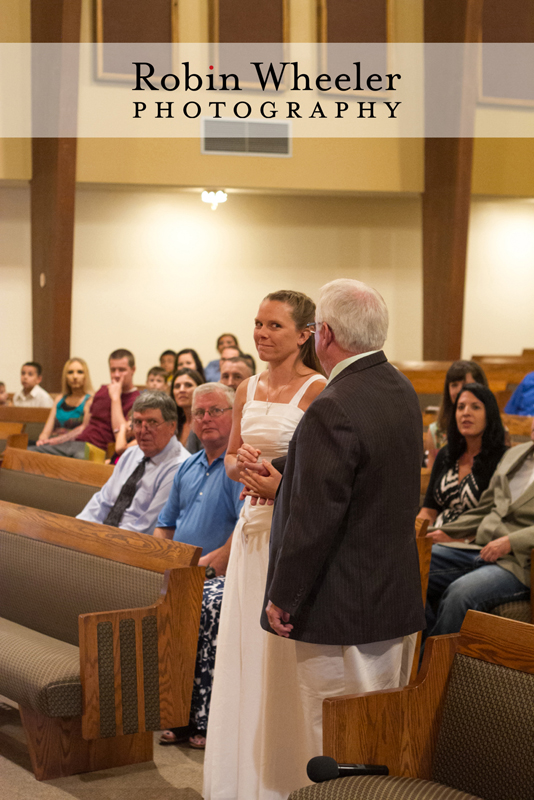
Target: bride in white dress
point(251, 753)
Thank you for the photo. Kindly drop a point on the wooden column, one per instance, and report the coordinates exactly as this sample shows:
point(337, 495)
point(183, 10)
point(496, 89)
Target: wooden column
point(53, 191)
point(447, 197)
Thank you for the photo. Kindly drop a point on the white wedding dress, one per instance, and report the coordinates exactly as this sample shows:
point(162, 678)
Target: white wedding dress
point(251, 753)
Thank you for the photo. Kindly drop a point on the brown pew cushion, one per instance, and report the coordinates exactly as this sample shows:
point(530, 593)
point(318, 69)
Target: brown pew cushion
point(379, 787)
point(39, 672)
point(47, 494)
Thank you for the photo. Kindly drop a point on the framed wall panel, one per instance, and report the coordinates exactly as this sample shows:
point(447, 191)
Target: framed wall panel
point(261, 22)
point(513, 23)
point(347, 21)
point(134, 21)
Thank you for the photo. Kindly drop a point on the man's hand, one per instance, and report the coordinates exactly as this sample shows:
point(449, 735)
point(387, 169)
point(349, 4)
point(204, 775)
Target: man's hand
point(278, 620)
point(440, 536)
point(218, 559)
point(496, 549)
point(115, 390)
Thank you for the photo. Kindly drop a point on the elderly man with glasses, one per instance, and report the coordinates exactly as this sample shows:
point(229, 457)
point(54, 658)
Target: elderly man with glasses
point(202, 509)
point(139, 487)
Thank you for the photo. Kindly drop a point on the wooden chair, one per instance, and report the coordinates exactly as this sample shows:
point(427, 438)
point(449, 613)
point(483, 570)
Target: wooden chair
point(466, 723)
point(92, 680)
point(50, 483)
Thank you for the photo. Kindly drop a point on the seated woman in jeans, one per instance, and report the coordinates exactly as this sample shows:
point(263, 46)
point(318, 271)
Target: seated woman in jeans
point(461, 472)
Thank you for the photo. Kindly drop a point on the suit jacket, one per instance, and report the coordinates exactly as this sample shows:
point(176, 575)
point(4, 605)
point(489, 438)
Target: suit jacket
point(497, 516)
point(343, 558)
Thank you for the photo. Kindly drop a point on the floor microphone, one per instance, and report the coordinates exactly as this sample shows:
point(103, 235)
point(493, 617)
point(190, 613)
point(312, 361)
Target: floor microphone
point(324, 768)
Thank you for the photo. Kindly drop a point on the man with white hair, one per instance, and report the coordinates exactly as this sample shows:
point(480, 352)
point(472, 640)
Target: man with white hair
point(343, 577)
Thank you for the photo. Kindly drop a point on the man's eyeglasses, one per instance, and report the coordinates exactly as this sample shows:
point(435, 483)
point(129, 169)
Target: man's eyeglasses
point(151, 424)
point(214, 412)
point(313, 327)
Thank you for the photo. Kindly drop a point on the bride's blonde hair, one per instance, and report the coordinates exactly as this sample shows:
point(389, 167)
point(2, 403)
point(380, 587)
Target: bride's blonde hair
point(302, 312)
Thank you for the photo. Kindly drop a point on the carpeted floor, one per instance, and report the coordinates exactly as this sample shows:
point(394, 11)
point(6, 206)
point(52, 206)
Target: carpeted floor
point(175, 773)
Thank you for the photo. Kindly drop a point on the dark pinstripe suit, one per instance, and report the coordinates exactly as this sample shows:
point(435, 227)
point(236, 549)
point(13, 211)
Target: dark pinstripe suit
point(343, 560)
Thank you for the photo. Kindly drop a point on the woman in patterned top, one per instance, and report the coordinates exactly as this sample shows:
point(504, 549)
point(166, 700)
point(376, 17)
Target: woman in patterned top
point(463, 468)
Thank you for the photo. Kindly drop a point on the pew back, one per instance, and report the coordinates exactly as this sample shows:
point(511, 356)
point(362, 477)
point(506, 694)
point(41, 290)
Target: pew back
point(50, 483)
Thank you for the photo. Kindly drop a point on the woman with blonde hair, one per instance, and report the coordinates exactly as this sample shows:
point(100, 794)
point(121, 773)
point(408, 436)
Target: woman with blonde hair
point(71, 409)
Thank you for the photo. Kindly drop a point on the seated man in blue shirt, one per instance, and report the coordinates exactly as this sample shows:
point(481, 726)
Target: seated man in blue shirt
point(522, 400)
point(140, 484)
point(202, 510)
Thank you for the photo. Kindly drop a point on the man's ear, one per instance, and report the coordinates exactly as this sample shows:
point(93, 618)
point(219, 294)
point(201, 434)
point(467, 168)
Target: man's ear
point(39, 378)
point(328, 334)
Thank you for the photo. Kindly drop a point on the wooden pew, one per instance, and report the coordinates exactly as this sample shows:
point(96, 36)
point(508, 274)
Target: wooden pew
point(33, 418)
point(400, 727)
point(94, 680)
point(51, 483)
point(8, 429)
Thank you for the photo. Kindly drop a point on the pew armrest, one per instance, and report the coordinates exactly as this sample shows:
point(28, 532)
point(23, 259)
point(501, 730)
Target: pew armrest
point(137, 665)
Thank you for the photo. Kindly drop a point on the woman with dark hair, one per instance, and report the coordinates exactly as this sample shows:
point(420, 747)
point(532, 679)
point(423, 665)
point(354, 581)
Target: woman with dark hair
point(189, 359)
point(183, 385)
point(267, 409)
point(464, 466)
point(459, 373)
point(213, 372)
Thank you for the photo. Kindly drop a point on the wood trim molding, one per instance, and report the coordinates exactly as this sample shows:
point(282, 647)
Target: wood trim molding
point(66, 469)
point(115, 544)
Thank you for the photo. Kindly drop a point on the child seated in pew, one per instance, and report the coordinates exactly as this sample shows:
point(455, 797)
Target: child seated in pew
point(4, 397)
point(166, 361)
point(124, 438)
point(32, 395)
point(156, 380)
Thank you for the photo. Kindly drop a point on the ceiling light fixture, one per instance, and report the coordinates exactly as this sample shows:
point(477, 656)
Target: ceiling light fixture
point(214, 198)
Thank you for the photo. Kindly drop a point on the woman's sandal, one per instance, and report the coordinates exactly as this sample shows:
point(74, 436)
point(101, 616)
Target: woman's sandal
point(198, 741)
point(171, 737)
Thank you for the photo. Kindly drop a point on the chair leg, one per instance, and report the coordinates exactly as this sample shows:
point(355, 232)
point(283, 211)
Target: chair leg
point(57, 748)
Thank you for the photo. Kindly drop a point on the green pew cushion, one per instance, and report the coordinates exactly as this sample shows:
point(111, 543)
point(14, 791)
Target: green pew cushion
point(39, 672)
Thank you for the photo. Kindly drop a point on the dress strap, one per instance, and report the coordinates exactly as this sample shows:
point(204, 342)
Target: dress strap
point(251, 388)
point(295, 400)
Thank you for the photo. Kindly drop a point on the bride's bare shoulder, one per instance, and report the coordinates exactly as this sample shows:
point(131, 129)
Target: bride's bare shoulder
point(313, 390)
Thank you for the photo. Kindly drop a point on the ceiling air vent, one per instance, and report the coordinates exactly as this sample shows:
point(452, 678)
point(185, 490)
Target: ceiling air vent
point(245, 138)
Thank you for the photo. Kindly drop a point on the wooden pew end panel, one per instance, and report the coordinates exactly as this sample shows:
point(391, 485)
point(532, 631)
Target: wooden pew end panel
point(57, 748)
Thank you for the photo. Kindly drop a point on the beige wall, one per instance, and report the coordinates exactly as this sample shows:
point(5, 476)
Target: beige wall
point(499, 299)
point(15, 284)
point(157, 268)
